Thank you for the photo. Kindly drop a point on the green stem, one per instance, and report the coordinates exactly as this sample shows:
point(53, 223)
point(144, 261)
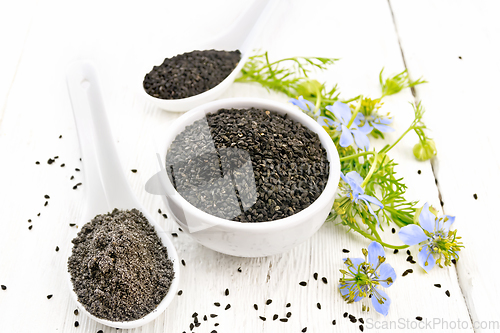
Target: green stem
point(387, 148)
point(355, 113)
point(371, 237)
point(371, 171)
point(350, 157)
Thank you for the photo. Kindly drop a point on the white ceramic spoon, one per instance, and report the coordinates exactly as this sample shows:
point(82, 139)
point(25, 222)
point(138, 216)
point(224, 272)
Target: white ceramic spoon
point(105, 183)
point(239, 36)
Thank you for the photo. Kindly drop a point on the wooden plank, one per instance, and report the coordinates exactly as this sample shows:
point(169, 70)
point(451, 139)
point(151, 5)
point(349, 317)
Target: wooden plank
point(31, 268)
point(458, 55)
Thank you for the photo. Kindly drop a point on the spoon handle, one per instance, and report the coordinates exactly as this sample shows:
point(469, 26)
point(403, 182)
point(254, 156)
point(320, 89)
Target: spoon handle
point(107, 187)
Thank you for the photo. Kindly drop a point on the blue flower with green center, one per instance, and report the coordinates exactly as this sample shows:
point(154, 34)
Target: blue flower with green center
point(350, 134)
point(363, 276)
point(438, 245)
point(375, 121)
point(306, 106)
point(356, 193)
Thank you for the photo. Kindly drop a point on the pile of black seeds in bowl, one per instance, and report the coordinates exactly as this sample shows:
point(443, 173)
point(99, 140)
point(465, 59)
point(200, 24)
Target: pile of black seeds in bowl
point(248, 165)
point(190, 73)
point(119, 268)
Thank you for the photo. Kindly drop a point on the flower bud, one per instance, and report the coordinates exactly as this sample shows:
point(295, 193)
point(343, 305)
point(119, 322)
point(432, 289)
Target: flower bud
point(424, 150)
point(309, 88)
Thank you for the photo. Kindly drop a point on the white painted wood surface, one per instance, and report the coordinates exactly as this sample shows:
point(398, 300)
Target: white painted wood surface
point(38, 41)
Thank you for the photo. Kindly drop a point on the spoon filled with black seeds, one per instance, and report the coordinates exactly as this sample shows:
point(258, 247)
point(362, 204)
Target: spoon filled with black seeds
point(201, 74)
point(123, 269)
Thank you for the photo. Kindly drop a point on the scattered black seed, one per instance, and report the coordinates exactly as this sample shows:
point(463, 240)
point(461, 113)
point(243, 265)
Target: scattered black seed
point(475, 196)
point(288, 314)
point(447, 292)
point(226, 292)
point(181, 230)
point(361, 320)
point(29, 220)
point(256, 307)
point(396, 251)
point(275, 317)
point(179, 292)
point(315, 275)
point(288, 305)
point(276, 167)
point(72, 177)
point(174, 235)
point(413, 262)
point(76, 169)
point(418, 318)
point(46, 196)
point(345, 250)
point(419, 172)
point(38, 214)
point(361, 328)
point(191, 326)
point(197, 324)
point(100, 331)
point(284, 320)
point(114, 248)
point(351, 317)
point(3, 287)
point(228, 307)
point(303, 283)
point(213, 315)
point(190, 74)
point(263, 318)
point(304, 330)
point(239, 269)
point(60, 136)
point(454, 261)
point(183, 262)
point(30, 227)
point(46, 203)
point(76, 312)
point(56, 157)
point(195, 321)
point(325, 281)
point(393, 230)
point(410, 258)
point(459, 57)
point(437, 285)
point(194, 315)
point(353, 320)
point(72, 224)
point(57, 248)
point(50, 161)
point(441, 202)
point(63, 165)
point(216, 324)
point(205, 318)
point(217, 304)
point(134, 170)
point(345, 314)
point(319, 306)
point(159, 211)
point(214, 331)
point(334, 322)
point(408, 252)
point(165, 216)
point(77, 324)
point(269, 301)
point(37, 162)
point(408, 271)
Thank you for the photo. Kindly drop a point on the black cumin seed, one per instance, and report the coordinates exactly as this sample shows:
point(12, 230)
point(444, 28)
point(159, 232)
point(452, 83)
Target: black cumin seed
point(63, 165)
point(213, 315)
point(181, 230)
point(288, 305)
point(56, 157)
point(46, 203)
point(29, 220)
point(304, 329)
point(195, 321)
point(408, 252)
point(165, 216)
point(76, 312)
point(191, 326)
point(475, 196)
point(217, 304)
point(410, 258)
point(216, 324)
point(174, 235)
point(228, 307)
point(393, 230)
point(418, 318)
point(38, 214)
point(284, 320)
point(454, 261)
point(195, 315)
point(197, 324)
point(345, 250)
point(50, 161)
point(361, 320)
point(72, 224)
point(179, 292)
point(256, 307)
point(396, 251)
point(4, 287)
point(413, 262)
point(205, 318)
point(361, 328)
point(239, 269)
point(459, 57)
point(288, 314)
point(134, 170)
point(345, 314)
point(46, 196)
point(447, 292)
point(30, 227)
point(269, 301)
point(49, 296)
point(263, 318)
point(72, 177)
point(75, 187)
point(159, 211)
point(76, 169)
point(325, 281)
point(315, 276)
point(303, 283)
point(57, 248)
point(437, 285)
point(405, 273)
point(319, 306)
point(214, 331)
point(226, 292)
point(100, 331)
point(351, 317)
point(60, 136)
point(183, 262)
point(353, 320)
point(334, 322)
point(37, 162)
point(419, 172)
point(77, 324)
point(275, 317)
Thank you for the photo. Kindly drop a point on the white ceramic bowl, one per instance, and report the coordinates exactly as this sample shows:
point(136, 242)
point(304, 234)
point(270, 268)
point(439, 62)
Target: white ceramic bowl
point(251, 239)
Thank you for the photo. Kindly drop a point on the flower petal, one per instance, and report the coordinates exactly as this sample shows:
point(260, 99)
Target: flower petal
point(371, 199)
point(425, 256)
point(346, 137)
point(381, 308)
point(361, 139)
point(384, 120)
point(386, 271)
point(426, 219)
point(383, 128)
point(341, 111)
point(354, 180)
point(374, 251)
point(344, 290)
point(356, 262)
point(325, 121)
point(366, 128)
point(370, 209)
point(449, 221)
point(412, 234)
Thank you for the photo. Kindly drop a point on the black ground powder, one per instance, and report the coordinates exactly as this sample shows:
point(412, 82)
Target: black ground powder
point(248, 165)
point(190, 74)
point(119, 268)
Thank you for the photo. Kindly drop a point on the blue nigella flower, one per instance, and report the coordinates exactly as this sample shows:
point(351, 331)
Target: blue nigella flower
point(437, 241)
point(363, 276)
point(306, 106)
point(349, 135)
point(375, 121)
point(357, 193)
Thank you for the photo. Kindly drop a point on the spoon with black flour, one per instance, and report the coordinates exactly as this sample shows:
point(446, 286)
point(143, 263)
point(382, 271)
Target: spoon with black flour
point(123, 269)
